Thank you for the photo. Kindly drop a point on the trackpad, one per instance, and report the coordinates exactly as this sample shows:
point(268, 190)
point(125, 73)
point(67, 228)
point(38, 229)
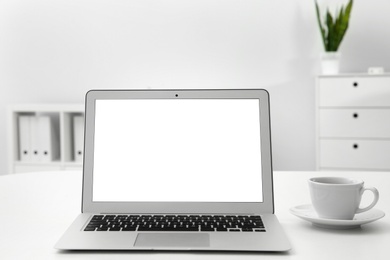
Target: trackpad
point(172, 240)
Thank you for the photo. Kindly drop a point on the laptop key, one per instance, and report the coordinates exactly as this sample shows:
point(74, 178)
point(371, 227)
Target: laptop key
point(102, 229)
point(129, 228)
point(188, 229)
point(222, 229)
point(115, 229)
point(206, 229)
point(89, 229)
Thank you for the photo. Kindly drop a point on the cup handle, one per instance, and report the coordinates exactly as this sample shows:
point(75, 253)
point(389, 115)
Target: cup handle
point(376, 198)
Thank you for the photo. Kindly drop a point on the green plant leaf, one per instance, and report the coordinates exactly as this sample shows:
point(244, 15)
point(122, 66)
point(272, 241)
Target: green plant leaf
point(334, 28)
point(322, 30)
point(330, 32)
point(337, 26)
point(344, 22)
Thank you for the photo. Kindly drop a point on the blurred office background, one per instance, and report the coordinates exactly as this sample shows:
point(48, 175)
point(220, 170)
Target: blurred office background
point(52, 52)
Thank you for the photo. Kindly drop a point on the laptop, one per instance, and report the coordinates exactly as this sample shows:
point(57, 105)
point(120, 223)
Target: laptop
point(177, 170)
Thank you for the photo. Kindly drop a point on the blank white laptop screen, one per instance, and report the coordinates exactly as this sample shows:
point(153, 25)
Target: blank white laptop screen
point(177, 150)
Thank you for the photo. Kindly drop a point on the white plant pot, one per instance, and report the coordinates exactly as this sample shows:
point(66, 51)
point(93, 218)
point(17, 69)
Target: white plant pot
point(330, 63)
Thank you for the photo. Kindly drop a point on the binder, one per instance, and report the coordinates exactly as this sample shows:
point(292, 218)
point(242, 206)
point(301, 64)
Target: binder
point(78, 134)
point(46, 137)
point(38, 140)
point(34, 139)
point(25, 138)
point(38, 137)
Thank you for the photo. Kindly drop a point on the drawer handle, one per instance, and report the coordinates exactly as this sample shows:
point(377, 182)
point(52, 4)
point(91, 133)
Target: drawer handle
point(355, 115)
point(355, 146)
point(355, 84)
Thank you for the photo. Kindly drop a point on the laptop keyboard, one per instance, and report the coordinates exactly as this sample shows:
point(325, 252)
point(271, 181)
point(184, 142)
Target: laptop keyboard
point(194, 223)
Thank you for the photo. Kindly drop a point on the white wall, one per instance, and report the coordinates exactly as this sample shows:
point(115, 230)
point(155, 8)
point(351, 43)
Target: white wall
point(54, 51)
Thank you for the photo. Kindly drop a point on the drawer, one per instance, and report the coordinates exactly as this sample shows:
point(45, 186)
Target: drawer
point(354, 91)
point(355, 154)
point(355, 123)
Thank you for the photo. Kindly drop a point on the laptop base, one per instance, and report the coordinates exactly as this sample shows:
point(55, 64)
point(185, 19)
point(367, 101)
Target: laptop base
point(273, 240)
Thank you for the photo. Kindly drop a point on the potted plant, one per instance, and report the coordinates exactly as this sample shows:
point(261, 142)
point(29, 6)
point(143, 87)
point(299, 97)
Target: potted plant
point(333, 30)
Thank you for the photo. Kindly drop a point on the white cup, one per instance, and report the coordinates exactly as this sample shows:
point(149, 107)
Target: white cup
point(339, 198)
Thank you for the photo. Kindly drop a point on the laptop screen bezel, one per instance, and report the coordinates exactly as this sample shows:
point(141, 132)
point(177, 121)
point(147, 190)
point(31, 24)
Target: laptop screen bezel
point(266, 206)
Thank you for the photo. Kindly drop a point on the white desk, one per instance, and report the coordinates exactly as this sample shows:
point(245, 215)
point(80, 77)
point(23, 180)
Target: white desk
point(36, 208)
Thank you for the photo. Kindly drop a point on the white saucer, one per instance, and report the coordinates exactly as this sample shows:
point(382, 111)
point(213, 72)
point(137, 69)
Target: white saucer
point(308, 213)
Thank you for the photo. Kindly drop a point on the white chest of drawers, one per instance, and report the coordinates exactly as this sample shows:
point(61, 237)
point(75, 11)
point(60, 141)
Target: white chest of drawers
point(353, 122)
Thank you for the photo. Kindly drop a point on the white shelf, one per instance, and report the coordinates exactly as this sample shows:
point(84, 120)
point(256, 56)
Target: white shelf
point(352, 75)
point(353, 122)
point(63, 129)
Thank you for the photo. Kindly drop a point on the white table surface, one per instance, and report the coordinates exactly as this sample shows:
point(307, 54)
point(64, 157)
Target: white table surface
point(36, 209)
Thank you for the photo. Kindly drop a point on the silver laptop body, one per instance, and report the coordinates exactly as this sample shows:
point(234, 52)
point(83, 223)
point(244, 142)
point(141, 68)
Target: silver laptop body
point(187, 153)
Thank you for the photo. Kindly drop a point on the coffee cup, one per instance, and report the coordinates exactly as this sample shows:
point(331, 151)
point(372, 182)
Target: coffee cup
point(339, 198)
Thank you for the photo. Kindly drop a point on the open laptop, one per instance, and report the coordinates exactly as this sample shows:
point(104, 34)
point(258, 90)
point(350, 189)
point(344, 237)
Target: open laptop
point(177, 170)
